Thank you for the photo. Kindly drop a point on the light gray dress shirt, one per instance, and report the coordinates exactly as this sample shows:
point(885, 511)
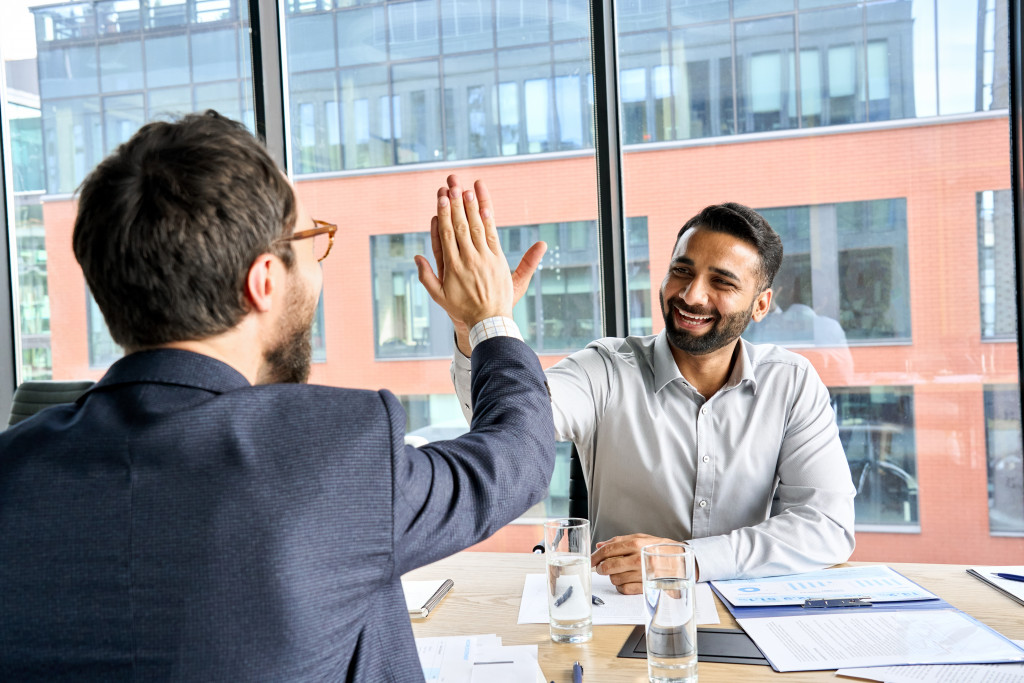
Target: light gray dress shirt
point(660, 459)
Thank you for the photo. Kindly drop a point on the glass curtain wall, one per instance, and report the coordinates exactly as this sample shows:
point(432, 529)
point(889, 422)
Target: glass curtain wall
point(871, 133)
point(386, 98)
point(851, 127)
point(82, 77)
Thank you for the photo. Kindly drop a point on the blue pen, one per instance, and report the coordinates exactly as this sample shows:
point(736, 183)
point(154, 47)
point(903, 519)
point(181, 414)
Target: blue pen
point(1010, 577)
point(577, 673)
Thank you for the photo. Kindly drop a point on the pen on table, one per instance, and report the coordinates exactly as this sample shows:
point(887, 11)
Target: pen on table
point(577, 673)
point(596, 600)
point(1009, 577)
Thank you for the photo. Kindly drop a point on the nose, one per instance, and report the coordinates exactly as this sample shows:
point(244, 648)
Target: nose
point(696, 293)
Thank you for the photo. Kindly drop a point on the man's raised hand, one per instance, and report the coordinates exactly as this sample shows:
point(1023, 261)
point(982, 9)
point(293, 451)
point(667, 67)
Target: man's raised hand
point(473, 281)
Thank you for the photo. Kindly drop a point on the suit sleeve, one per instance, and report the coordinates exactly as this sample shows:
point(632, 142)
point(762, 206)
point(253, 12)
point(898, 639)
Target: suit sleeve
point(579, 385)
point(449, 495)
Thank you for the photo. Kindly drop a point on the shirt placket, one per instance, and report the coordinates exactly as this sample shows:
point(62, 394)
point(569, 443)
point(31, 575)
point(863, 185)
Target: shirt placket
point(705, 469)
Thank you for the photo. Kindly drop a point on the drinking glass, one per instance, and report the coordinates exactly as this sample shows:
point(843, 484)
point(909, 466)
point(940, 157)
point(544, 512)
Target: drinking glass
point(668, 572)
point(567, 548)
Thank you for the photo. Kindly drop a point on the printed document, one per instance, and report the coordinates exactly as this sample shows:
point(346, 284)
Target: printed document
point(941, 673)
point(871, 637)
point(879, 583)
point(617, 608)
point(477, 659)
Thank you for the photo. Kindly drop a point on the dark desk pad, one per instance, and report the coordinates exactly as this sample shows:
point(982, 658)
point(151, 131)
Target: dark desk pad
point(727, 645)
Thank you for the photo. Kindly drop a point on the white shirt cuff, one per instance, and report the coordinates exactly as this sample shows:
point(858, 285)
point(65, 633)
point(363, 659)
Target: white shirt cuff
point(498, 326)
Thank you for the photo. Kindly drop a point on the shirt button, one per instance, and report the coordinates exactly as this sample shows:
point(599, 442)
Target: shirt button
point(704, 411)
point(703, 503)
point(706, 458)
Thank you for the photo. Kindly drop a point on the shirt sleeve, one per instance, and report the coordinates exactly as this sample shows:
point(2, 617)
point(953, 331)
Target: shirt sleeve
point(812, 520)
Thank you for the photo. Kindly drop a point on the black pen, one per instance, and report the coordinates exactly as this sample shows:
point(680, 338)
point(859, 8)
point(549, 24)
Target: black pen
point(577, 673)
point(594, 600)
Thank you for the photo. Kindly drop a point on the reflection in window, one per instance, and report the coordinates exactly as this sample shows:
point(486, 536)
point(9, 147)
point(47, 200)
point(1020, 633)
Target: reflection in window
point(876, 427)
point(33, 288)
point(417, 112)
point(996, 270)
point(1005, 459)
point(844, 277)
point(638, 277)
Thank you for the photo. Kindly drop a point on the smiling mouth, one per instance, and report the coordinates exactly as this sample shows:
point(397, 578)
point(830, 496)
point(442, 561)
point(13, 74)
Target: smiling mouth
point(692, 320)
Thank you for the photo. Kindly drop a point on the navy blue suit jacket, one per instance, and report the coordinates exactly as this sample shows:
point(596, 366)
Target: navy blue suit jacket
point(178, 523)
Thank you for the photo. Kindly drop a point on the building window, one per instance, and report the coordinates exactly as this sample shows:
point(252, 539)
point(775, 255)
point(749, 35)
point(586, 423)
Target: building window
point(876, 428)
point(844, 278)
point(997, 281)
point(559, 313)
point(1005, 460)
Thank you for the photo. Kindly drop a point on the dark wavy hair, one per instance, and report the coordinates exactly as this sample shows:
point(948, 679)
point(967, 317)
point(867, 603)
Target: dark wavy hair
point(748, 225)
point(170, 223)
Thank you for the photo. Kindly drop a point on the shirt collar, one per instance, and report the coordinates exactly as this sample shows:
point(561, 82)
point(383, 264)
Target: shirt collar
point(666, 370)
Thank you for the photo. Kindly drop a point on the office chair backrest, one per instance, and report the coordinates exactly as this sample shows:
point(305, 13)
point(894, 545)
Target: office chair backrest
point(578, 502)
point(32, 396)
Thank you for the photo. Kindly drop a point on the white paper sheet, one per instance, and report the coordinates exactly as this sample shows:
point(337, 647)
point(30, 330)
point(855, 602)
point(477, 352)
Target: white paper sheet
point(617, 608)
point(477, 659)
point(879, 583)
point(941, 673)
point(877, 638)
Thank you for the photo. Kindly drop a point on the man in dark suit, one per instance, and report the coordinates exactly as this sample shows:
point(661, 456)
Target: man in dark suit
point(200, 514)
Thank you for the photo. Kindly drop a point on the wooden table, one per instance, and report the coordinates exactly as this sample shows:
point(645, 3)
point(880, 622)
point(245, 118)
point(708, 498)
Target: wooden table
point(488, 587)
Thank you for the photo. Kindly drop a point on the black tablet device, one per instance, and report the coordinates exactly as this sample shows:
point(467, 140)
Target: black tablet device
point(728, 645)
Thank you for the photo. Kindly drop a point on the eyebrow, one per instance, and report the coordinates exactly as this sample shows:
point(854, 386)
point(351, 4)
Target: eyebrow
point(721, 271)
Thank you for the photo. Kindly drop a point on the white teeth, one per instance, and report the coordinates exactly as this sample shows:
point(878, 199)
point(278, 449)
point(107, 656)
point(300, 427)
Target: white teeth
point(693, 319)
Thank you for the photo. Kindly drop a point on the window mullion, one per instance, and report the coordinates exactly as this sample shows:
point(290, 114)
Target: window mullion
point(608, 148)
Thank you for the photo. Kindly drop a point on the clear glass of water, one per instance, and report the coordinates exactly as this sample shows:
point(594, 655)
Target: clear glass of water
point(567, 549)
point(668, 573)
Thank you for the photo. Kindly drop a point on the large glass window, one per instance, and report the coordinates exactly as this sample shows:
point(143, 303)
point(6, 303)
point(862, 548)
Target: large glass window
point(84, 76)
point(872, 134)
point(559, 313)
point(882, 226)
point(844, 277)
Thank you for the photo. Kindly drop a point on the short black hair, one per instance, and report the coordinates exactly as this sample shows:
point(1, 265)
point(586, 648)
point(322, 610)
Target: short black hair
point(748, 225)
point(170, 223)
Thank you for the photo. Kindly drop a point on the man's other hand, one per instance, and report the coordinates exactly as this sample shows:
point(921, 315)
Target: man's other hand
point(619, 559)
point(475, 213)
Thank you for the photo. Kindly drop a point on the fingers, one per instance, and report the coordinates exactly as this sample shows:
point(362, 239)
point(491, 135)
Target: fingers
point(430, 282)
point(435, 246)
point(633, 588)
point(460, 223)
point(525, 270)
point(483, 196)
point(445, 230)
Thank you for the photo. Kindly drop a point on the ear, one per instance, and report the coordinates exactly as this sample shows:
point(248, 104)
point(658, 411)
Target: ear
point(260, 283)
point(762, 305)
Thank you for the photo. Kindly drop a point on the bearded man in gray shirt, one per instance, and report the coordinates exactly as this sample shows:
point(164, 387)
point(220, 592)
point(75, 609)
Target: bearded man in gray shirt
point(695, 434)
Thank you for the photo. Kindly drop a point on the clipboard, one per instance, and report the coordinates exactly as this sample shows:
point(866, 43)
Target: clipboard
point(834, 603)
point(724, 645)
point(814, 595)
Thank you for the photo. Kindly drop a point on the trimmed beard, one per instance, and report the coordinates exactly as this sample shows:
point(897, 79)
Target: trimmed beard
point(289, 360)
point(725, 330)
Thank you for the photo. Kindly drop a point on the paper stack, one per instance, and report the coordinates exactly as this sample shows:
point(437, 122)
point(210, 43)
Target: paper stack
point(477, 659)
